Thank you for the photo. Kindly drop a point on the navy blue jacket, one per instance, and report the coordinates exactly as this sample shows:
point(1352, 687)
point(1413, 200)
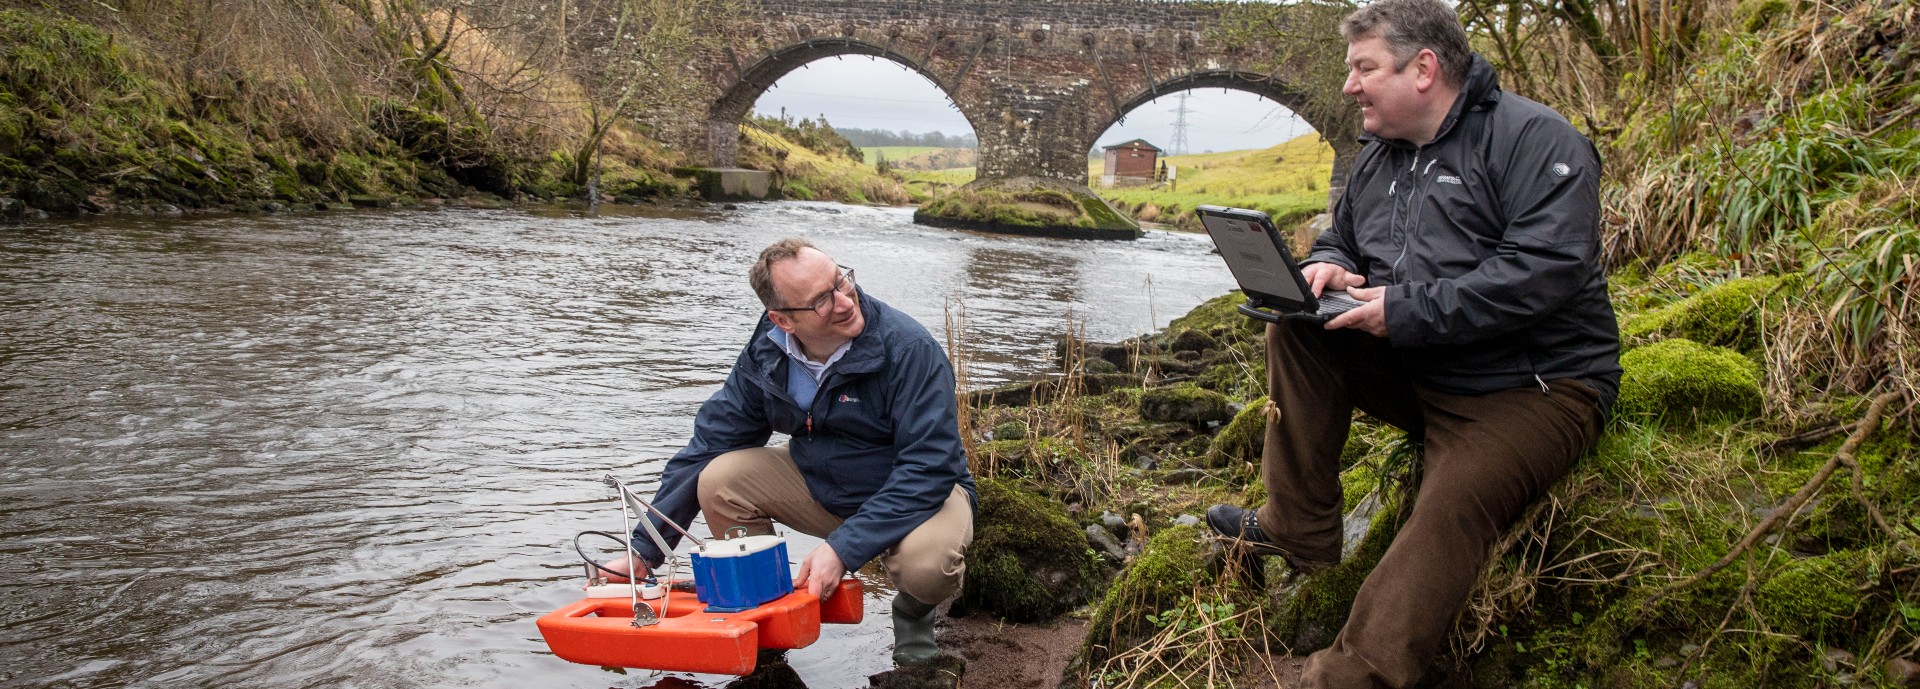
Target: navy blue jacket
point(879, 447)
point(1488, 242)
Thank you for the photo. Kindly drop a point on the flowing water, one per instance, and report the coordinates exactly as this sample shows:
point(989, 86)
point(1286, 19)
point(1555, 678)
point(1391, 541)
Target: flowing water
point(351, 449)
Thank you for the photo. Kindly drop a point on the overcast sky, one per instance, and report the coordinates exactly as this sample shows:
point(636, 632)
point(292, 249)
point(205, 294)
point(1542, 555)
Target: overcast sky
point(870, 93)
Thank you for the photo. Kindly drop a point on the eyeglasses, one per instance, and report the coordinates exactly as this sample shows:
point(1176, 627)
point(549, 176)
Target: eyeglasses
point(824, 304)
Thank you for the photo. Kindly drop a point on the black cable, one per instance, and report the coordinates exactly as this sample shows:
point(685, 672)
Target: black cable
point(595, 564)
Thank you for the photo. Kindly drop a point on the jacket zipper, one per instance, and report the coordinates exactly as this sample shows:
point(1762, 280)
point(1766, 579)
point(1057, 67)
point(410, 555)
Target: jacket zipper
point(1406, 237)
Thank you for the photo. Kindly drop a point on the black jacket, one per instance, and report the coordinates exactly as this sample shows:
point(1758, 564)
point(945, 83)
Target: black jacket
point(1488, 239)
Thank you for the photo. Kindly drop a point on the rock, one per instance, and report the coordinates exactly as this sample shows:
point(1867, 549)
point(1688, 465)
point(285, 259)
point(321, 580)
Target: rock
point(1098, 366)
point(1009, 430)
point(1114, 523)
point(1191, 340)
point(1105, 544)
point(1186, 520)
point(167, 209)
point(1161, 576)
point(1028, 560)
point(1815, 593)
point(11, 208)
point(321, 206)
point(1902, 672)
point(1683, 382)
point(943, 672)
point(1186, 403)
point(1243, 439)
point(1724, 315)
point(1837, 660)
point(1666, 662)
point(273, 207)
point(1184, 476)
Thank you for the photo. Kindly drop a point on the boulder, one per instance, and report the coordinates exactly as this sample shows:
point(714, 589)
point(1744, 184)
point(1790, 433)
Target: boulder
point(1028, 561)
point(1185, 403)
point(1682, 381)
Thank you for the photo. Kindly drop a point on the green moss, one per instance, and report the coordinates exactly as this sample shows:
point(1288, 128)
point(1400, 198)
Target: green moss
point(1355, 483)
point(1010, 430)
point(1022, 454)
point(1680, 380)
point(1814, 594)
point(1188, 403)
point(1726, 315)
point(1028, 561)
point(1314, 611)
point(1166, 571)
point(1242, 439)
point(1219, 315)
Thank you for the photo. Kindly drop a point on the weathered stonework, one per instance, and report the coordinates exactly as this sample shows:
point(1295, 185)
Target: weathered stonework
point(1039, 81)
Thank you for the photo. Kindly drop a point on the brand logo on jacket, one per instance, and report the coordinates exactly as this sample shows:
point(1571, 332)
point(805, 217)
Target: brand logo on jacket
point(849, 398)
point(1448, 179)
point(1561, 169)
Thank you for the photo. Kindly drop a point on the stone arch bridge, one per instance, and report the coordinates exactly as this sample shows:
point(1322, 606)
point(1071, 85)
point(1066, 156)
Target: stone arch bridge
point(1039, 81)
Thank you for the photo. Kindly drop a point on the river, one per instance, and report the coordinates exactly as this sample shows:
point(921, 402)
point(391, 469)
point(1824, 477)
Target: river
point(351, 449)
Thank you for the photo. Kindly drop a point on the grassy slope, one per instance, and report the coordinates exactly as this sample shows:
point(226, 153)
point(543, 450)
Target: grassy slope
point(1798, 171)
point(1287, 181)
point(895, 152)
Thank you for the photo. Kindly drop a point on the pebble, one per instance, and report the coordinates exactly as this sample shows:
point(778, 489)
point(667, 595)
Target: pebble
point(1835, 660)
point(1902, 672)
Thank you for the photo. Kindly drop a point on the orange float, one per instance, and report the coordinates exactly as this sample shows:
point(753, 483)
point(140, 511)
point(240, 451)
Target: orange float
point(688, 638)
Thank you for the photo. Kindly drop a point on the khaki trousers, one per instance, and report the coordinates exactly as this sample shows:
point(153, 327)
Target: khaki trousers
point(758, 486)
point(1487, 457)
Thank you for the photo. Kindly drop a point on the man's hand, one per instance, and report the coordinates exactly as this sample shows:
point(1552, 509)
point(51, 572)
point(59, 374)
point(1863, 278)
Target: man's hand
point(622, 565)
point(1370, 317)
point(820, 573)
point(1322, 276)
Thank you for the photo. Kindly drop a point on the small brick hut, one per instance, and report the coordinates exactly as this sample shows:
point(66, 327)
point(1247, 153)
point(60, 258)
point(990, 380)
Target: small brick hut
point(1134, 159)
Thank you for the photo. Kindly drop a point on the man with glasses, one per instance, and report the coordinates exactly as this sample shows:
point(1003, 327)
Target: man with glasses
point(873, 465)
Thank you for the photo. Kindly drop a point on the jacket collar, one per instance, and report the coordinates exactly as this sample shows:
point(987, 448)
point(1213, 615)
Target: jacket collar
point(864, 355)
point(1480, 90)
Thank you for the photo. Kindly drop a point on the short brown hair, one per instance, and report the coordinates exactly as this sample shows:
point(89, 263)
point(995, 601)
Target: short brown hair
point(1410, 25)
point(760, 276)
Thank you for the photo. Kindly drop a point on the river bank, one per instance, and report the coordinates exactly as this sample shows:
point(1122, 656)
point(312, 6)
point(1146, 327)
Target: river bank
point(1119, 455)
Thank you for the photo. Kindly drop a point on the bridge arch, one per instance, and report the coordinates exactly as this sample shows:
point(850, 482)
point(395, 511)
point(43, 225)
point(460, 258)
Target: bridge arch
point(1300, 100)
point(731, 108)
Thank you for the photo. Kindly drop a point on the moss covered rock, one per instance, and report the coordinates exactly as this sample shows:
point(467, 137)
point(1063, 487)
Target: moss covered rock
point(1815, 593)
point(1028, 561)
point(1682, 380)
point(1165, 572)
point(1027, 455)
point(1028, 206)
point(1243, 438)
point(1220, 316)
point(1188, 403)
point(1726, 315)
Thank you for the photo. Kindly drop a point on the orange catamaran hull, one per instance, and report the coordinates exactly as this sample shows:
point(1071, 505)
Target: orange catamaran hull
point(600, 631)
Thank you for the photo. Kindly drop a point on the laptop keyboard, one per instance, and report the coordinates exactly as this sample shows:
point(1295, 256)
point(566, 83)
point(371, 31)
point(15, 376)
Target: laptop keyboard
point(1335, 302)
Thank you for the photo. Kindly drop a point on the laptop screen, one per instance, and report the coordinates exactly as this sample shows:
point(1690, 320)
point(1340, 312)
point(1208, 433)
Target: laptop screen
point(1254, 254)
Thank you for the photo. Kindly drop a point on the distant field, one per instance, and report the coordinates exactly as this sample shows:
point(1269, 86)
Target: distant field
point(1286, 181)
point(895, 152)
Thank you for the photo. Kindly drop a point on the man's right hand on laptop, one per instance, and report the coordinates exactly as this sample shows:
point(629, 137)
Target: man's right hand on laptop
point(1321, 276)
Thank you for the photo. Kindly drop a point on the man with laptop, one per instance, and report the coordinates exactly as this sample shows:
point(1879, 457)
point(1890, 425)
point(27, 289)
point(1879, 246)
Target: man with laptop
point(1468, 233)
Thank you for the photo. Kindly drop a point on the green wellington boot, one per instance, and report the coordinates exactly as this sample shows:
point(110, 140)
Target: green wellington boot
point(913, 630)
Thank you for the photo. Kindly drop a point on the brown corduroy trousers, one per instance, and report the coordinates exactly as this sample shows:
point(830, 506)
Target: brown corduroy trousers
point(1487, 457)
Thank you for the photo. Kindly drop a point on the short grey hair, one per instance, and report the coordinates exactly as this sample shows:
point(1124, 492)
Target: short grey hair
point(760, 276)
point(1410, 25)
